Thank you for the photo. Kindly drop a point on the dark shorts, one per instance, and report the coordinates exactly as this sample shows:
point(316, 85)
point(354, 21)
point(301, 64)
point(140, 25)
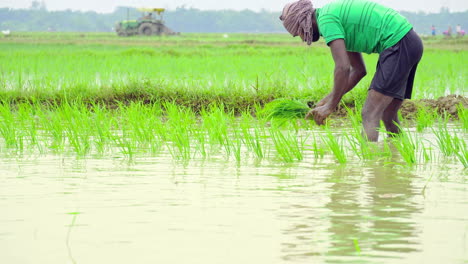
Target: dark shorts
point(396, 67)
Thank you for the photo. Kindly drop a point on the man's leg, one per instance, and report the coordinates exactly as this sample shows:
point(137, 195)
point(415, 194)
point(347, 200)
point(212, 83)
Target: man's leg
point(372, 113)
point(390, 117)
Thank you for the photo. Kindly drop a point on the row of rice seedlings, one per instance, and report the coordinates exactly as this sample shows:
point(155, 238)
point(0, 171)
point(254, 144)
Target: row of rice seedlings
point(408, 145)
point(139, 128)
point(48, 129)
point(222, 131)
point(414, 149)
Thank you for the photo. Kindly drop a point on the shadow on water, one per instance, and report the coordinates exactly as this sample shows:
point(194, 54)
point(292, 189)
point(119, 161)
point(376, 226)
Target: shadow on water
point(369, 214)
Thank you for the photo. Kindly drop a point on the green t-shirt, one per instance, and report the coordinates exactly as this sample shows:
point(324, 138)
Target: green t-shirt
point(365, 26)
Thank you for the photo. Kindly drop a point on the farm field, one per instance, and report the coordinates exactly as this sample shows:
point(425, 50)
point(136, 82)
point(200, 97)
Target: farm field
point(194, 147)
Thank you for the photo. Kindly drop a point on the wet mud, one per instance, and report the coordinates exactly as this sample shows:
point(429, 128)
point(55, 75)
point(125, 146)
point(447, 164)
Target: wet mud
point(443, 105)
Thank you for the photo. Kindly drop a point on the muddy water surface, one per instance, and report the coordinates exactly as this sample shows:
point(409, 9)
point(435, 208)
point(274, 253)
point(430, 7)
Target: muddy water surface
point(59, 209)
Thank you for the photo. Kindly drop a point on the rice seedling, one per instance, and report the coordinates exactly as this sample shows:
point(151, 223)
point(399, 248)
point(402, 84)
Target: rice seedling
point(462, 154)
point(53, 125)
point(427, 153)
point(141, 123)
point(8, 130)
point(179, 125)
point(289, 146)
point(448, 143)
point(103, 123)
point(407, 145)
point(26, 122)
point(425, 118)
point(200, 136)
point(316, 148)
point(335, 145)
point(236, 144)
point(77, 128)
point(126, 146)
point(253, 135)
point(463, 116)
point(217, 123)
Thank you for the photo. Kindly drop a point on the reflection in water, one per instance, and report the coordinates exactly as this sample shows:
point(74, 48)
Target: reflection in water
point(370, 213)
point(392, 208)
point(346, 212)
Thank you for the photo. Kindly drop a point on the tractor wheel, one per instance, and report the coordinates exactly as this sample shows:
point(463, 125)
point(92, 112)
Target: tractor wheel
point(160, 30)
point(147, 29)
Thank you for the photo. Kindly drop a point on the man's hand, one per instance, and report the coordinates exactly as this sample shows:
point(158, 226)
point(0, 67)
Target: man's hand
point(320, 113)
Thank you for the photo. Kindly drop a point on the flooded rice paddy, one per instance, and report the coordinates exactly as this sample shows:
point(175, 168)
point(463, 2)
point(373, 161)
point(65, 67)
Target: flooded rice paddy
point(91, 171)
point(60, 208)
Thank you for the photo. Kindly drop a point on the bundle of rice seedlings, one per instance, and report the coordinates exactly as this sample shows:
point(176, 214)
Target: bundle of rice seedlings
point(284, 108)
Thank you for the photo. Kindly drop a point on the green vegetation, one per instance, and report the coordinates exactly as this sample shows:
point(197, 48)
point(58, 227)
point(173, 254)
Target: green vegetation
point(463, 116)
point(284, 108)
point(204, 96)
point(147, 129)
point(193, 70)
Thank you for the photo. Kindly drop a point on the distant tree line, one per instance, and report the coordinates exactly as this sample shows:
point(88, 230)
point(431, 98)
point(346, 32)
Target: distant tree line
point(182, 19)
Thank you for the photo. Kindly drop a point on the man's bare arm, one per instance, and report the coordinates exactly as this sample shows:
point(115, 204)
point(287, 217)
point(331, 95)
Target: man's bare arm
point(349, 70)
point(341, 73)
point(355, 64)
point(358, 69)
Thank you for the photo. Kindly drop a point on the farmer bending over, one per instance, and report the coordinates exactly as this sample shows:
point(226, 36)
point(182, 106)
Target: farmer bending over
point(350, 27)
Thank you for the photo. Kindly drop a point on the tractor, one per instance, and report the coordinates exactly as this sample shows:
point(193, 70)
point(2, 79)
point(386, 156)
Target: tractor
point(147, 25)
